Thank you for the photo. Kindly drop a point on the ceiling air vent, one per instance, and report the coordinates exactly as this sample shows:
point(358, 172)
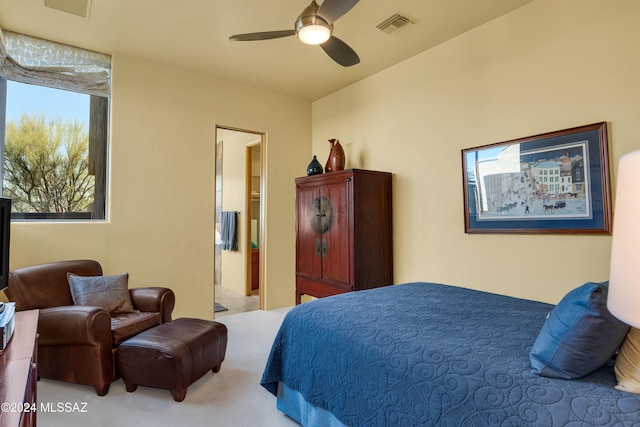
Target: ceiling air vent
point(394, 23)
point(76, 7)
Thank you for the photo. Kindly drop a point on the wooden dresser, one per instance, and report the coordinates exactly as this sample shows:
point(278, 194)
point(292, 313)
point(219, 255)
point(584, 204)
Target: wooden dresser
point(18, 373)
point(344, 236)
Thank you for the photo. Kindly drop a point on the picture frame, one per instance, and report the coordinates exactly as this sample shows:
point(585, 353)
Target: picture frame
point(556, 182)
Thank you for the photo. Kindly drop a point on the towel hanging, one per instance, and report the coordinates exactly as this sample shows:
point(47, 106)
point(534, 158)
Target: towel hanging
point(229, 231)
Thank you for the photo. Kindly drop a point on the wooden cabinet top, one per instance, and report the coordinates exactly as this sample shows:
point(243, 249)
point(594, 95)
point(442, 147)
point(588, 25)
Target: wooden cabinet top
point(333, 176)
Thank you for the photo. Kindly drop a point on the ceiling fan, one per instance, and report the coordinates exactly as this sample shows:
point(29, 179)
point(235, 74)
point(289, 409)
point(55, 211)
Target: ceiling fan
point(315, 26)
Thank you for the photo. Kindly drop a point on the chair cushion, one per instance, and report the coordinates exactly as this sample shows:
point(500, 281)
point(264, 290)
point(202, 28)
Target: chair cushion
point(127, 325)
point(108, 292)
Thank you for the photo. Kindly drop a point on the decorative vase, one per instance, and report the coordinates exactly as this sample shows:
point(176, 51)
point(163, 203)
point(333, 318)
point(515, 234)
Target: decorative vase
point(336, 159)
point(327, 166)
point(314, 167)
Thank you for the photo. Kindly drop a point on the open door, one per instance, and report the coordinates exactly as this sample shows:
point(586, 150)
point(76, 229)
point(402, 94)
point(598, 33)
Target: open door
point(239, 187)
point(254, 218)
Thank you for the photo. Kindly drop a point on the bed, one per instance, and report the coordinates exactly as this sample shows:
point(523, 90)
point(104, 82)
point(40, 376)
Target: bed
point(429, 354)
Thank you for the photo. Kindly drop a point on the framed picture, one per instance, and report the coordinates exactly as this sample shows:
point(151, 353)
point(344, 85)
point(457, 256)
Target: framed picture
point(557, 182)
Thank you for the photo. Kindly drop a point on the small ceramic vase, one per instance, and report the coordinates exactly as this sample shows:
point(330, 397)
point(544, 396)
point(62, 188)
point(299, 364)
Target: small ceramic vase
point(314, 167)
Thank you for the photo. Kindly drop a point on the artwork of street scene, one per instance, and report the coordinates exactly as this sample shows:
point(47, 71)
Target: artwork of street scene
point(550, 183)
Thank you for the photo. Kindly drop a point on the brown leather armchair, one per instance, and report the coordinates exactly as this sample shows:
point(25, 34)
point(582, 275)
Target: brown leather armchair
point(77, 344)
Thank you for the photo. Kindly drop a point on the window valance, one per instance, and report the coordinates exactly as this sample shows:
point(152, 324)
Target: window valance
point(32, 60)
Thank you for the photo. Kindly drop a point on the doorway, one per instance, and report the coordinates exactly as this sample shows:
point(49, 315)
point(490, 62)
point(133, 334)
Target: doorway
point(239, 186)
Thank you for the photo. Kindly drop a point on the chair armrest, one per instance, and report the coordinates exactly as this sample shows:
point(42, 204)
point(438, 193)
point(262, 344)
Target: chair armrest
point(158, 300)
point(74, 325)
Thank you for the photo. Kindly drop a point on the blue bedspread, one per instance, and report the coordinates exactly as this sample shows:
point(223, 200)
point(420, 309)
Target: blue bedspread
point(428, 354)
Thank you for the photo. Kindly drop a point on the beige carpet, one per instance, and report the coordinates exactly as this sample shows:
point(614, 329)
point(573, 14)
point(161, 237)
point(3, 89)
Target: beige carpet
point(232, 397)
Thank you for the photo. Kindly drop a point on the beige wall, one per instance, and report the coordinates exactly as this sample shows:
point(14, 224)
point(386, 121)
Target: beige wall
point(161, 206)
point(551, 65)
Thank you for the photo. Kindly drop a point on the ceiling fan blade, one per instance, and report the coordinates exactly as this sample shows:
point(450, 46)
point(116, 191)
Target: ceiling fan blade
point(266, 35)
point(340, 52)
point(331, 10)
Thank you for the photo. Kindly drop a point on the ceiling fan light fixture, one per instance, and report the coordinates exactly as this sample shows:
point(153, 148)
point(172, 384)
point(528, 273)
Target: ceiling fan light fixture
point(314, 26)
point(314, 34)
point(311, 28)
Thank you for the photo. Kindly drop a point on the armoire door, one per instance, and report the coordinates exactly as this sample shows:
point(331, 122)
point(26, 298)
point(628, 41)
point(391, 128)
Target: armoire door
point(337, 253)
point(308, 240)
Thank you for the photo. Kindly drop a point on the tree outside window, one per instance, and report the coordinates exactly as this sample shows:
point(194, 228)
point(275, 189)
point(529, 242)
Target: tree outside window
point(51, 169)
point(46, 166)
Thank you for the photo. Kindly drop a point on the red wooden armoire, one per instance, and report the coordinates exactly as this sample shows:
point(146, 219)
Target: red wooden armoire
point(344, 236)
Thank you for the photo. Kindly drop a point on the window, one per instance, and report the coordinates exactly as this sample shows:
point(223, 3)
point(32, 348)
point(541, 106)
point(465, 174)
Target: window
point(53, 129)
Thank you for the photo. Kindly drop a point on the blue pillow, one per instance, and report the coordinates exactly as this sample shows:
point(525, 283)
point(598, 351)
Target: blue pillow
point(579, 336)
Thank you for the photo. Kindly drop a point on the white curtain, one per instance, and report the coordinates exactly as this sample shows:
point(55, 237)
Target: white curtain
point(32, 60)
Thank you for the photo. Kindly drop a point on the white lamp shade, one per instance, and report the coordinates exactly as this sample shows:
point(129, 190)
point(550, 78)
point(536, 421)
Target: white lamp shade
point(314, 34)
point(624, 279)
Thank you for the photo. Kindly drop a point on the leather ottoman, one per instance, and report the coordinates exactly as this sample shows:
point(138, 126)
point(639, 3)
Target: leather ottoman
point(172, 355)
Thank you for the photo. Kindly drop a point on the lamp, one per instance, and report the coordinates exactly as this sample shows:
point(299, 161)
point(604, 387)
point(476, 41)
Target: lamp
point(624, 280)
point(313, 29)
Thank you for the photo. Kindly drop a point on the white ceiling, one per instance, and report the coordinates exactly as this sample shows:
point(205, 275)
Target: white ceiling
point(193, 35)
